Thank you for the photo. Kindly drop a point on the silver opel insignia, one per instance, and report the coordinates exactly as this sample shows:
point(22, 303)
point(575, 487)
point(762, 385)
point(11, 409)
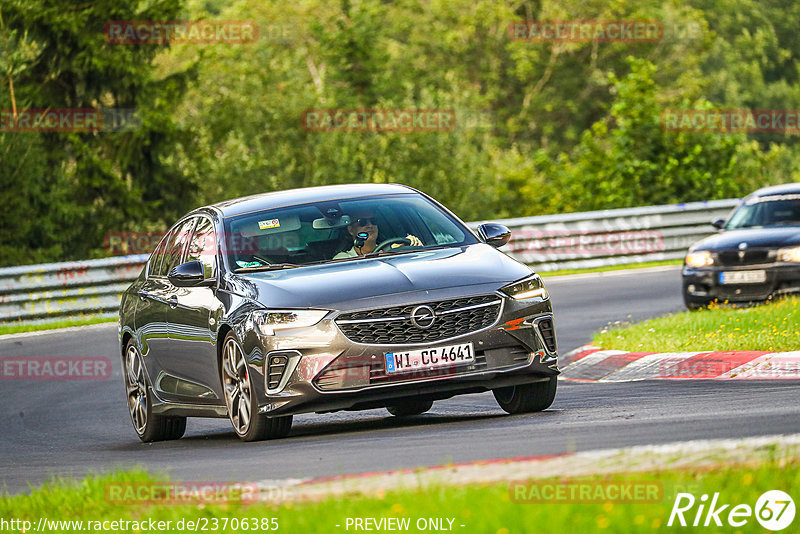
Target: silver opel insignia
point(347, 297)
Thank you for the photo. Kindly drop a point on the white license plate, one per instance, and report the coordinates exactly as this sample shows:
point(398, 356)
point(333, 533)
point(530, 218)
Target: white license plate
point(743, 277)
point(413, 360)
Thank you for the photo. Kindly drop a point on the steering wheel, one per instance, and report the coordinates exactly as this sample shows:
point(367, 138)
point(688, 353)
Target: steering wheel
point(384, 244)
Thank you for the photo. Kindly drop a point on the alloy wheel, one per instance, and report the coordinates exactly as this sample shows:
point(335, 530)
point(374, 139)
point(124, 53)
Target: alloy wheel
point(236, 381)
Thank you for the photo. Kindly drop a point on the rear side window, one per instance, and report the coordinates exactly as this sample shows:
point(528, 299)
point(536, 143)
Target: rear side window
point(176, 246)
point(157, 257)
point(203, 246)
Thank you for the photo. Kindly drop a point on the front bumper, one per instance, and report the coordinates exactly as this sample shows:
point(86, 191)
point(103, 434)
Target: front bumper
point(702, 286)
point(320, 369)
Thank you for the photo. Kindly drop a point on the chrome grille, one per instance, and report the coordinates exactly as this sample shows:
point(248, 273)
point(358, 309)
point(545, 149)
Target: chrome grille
point(454, 317)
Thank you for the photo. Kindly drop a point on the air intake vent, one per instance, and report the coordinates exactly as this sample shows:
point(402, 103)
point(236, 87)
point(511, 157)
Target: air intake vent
point(548, 333)
point(276, 366)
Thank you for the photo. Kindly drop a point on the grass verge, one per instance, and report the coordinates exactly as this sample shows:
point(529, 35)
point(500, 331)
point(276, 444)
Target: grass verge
point(14, 328)
point(504, 508)
point(774, 326)
point(626, 267)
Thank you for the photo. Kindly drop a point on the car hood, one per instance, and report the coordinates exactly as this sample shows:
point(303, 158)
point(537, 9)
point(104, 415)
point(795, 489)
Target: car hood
point(754, 237)
point(361, 283)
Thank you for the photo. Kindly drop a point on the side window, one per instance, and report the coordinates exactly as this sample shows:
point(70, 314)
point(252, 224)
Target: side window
point(203, 246)
point(177, 245)
point(157, 257)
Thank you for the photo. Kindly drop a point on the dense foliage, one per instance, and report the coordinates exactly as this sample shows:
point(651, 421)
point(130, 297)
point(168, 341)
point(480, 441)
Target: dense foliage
point(540, 127)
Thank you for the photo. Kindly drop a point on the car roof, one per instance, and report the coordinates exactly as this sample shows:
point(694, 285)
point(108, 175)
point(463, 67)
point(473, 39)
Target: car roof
point(292, 197)
point(783, 189)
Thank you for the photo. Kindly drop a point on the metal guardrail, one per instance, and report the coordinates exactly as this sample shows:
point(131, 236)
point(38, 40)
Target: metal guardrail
point(52, 291)
point(612, 237)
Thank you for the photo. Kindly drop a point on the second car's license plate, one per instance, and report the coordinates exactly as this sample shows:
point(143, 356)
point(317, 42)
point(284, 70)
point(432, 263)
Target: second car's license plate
point(743, 277)
point(413, 360)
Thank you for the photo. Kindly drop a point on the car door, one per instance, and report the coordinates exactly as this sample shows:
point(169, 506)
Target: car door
point(150, 317)
point(191, 323)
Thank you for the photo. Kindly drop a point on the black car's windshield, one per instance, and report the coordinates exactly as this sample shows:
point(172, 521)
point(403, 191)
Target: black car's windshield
point(321, 232)
point(775, 210)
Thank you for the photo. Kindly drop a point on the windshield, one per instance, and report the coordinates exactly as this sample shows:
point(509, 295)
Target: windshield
point(321, 232)
point(777, 210)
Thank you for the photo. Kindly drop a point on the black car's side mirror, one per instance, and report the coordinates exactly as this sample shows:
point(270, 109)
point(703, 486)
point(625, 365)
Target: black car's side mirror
point(494, 234)
point(719, 224)
point(188, 274)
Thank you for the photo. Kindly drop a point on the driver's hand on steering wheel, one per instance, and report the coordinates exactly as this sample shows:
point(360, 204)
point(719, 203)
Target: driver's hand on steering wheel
point(415, 242)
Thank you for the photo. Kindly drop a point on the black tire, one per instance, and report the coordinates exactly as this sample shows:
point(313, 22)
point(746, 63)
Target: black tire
point(241, 399)
point(527, 398)
point(410, 407)
point(148, 426)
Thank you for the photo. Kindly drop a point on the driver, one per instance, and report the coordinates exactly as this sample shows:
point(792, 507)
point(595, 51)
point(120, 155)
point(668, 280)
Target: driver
point(366, 222)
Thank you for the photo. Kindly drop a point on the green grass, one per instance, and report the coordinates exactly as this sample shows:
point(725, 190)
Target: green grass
point(480, 508)
point(16, 328)
point(774, 326)
point(562, 272)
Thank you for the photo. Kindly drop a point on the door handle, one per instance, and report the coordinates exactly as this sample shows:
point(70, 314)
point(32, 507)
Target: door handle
point(173, 301)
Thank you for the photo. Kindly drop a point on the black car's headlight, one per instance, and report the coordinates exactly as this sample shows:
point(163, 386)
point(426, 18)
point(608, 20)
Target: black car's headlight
point(699, 258)
point(528, 288)
point(789, 255)
point(270, 321)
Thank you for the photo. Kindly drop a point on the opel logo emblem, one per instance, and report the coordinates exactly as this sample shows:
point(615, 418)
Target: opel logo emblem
point(423, 317)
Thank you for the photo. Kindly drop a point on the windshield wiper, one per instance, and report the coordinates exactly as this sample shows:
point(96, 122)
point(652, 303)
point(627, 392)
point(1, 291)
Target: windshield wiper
point(269, 267)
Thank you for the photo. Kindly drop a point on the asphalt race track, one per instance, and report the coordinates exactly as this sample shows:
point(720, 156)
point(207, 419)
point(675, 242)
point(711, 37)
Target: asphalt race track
point(74, 427)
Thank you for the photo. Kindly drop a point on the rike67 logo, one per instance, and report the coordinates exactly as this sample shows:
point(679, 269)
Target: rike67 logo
point(774, 510)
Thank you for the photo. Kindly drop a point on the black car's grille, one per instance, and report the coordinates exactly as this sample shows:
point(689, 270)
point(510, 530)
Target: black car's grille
point(548, 333)
point(730, 258)
point(454, 317)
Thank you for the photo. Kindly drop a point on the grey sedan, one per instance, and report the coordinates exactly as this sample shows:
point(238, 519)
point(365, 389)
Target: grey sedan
point(332, 298)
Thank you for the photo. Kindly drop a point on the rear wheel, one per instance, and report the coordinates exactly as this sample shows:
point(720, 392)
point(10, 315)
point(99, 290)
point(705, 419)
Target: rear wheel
point(410, 407)
point(527, 398)
point(149, 426)
point(241, 401)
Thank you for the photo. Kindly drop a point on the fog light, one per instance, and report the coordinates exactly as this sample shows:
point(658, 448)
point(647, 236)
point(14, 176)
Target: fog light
point(691, 288)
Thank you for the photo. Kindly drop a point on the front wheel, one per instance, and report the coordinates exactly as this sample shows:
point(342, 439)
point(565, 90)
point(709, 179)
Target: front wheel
point(149, 426)
point(241, 400)
point(527, 398)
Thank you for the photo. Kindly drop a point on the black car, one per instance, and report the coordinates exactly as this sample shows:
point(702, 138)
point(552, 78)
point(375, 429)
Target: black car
point(331, 298)
point(755, 255)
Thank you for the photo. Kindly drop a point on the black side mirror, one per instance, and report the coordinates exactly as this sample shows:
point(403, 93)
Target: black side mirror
point(719, 224)
point(494, 234)
point(188, 274)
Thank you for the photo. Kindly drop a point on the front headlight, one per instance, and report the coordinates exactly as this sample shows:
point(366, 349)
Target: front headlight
point(789, 255)
point(529, 288)
point(699, 258)
point(270, 321)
